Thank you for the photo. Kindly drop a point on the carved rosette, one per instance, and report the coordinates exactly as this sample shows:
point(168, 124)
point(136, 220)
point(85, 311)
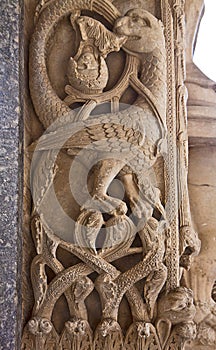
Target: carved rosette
point(117, 247)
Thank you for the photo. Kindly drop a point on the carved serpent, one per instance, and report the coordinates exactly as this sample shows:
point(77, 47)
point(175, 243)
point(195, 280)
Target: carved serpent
point(48, 106)
point(64, 280)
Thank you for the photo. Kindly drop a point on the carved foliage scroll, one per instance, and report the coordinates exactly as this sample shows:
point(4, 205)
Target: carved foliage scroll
point(110, 225)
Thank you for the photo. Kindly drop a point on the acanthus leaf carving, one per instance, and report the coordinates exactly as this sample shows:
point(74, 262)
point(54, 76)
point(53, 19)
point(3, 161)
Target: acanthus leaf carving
point(142, 336)
point(108, 335)
point(40, 334)
point(76, 335)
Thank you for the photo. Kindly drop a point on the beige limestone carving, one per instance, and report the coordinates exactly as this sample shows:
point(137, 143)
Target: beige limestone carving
point(121, 249)
point(201, 127)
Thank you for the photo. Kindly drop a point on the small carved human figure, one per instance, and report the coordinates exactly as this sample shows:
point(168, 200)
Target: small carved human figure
point(87, 70)
point(88, 73)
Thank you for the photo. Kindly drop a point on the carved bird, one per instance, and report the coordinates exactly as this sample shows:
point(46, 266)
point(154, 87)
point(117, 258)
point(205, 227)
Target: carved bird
point(130, 136)
point(138, 125)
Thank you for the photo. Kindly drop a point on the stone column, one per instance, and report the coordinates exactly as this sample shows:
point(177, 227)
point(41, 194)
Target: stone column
point(10, 174)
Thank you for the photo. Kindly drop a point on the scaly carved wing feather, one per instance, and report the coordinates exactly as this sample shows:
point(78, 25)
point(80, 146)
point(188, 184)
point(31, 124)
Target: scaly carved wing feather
point(154, 74)
point(112, 129)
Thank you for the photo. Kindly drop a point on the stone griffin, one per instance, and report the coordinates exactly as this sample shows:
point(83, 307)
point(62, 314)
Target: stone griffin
point(123, 143)
point(126, 143)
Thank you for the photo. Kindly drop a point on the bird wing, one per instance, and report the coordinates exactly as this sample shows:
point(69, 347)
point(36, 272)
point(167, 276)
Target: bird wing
point(110, 131)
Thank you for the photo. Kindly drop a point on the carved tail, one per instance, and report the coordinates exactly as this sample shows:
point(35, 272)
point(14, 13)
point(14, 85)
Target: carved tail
point(48, 106)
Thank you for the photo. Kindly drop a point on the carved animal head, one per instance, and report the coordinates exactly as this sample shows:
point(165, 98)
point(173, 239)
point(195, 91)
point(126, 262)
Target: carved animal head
point(81, 288)
point(76, 327)
point(108, 326)
point(186, 330)
point(143, 329)
point(144, 32)
point(177, 306)
point(189, 246)
point(39, 326)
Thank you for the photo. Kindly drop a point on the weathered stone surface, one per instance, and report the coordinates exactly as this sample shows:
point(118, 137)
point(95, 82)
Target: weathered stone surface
point(202, 277)
point(10, 175)
point(94, 248)
point(202, 175)
point(202, 131)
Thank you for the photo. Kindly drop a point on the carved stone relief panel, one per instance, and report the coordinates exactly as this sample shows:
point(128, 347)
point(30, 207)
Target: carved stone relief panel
point(107, 225)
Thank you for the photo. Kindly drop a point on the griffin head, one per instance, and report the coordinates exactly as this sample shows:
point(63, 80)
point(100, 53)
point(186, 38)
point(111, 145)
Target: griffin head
point(143, 30)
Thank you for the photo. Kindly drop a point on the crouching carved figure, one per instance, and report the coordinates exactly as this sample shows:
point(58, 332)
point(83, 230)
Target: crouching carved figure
point(126, 245)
